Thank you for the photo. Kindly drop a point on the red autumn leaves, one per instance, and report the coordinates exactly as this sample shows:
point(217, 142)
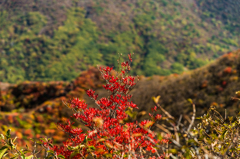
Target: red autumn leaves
point(108, 135)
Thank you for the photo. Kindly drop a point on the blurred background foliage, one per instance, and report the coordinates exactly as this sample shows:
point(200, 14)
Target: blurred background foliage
point(48, 40)
point(58, 40)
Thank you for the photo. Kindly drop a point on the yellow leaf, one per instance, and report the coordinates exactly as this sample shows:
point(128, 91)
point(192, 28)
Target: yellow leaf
point(137, 134)
point(98, 121)
point(190, 100)
point(142, 113)
point(109, 145)
point(121, 121)
point(156, 99)
point(238, 92)
point(149, 124)
point(100, 140)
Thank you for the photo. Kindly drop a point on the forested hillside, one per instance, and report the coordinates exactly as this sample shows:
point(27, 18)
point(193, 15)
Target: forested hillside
point(49, 40)
point(227, 11)
point(30, 109)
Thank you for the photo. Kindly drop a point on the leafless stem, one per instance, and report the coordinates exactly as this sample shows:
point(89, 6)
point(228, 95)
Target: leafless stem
point(193, 118)
point(225, 114)
point(164, 129)
point(179, 121)
point(165, 111)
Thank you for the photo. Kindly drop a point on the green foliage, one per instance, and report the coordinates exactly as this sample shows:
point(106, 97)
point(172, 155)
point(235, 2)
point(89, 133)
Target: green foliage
point(56, 41)
point(33, 22)
point(228, 14)
point(177, 68)
point(9, 148)
point(215, 136)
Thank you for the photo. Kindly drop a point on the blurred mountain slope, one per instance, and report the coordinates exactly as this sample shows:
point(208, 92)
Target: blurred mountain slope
point(49, 40)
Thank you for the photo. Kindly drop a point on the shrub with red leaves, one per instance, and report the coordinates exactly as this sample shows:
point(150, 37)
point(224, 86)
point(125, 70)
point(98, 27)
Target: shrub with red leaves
point(108, 135)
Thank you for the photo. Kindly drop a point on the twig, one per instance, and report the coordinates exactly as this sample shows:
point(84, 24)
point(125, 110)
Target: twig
point(164, 129)
point(193, 118)
point(176, 133)
point(179, 121)
point(225, 114)
point(165, 111)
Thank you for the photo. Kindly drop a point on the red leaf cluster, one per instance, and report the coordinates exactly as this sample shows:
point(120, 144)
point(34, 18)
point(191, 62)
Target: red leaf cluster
point(108, 134)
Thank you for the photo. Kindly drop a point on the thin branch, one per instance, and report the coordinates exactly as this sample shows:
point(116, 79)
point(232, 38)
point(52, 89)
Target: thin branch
point(225, 114)
point(179, 121)
point(164, 129)
point(165, 111)
point(193, 118)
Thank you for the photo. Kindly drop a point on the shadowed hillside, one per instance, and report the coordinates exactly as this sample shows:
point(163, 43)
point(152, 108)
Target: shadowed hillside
point(227, 11)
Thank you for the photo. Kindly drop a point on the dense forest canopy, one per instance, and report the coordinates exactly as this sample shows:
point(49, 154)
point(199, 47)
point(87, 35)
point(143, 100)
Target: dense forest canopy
point(49, 40)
